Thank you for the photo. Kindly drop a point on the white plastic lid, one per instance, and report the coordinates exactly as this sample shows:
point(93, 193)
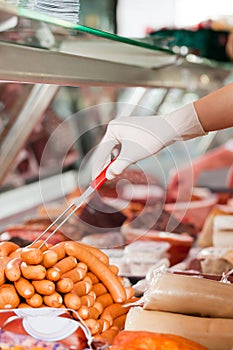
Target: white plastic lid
point(49, 328)
point(45, 323)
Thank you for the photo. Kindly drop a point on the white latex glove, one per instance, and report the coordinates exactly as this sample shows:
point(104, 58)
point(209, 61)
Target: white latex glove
point(141, 137)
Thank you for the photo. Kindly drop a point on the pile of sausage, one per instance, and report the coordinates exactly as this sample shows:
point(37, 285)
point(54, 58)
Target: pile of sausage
point(67, 275)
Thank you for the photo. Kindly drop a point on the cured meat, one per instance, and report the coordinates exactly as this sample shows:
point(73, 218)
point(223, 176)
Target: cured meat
point(133, 340)
point(98, 216)
point(155, 218)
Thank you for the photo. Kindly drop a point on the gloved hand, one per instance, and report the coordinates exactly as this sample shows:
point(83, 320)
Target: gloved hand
point(141, 137)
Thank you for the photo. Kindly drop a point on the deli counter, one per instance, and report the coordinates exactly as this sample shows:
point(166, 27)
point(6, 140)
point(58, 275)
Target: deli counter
point(61, 83)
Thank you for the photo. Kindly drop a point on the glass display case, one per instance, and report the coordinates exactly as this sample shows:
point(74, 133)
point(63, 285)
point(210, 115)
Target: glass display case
point(56, 68)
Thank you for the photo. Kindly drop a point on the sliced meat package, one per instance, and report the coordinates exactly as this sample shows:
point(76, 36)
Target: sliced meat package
point(190, 295)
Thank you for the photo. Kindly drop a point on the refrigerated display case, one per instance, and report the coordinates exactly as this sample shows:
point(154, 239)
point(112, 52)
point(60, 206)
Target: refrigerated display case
point(54, 61)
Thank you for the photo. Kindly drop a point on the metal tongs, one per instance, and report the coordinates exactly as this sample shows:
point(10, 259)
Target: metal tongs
point(93, 186)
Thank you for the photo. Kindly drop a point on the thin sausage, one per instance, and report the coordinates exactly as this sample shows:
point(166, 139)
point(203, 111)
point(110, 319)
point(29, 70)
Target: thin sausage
point(93, 277)
point(12, 269)
point(6, 248)
point(82, 266)
point(108, 318)
point(92, 294)
point(130, 292)
point(99, 289)
point(104, 325)
point(81, 288)
point(59, 248)
point(83, 312)
point(53, 300)
point(87, 300)
point(72, 301)
point(93, 312)
point(114, 269)
point(53, 274)
point(44, 287)
point(76, 274)
point(64, 285)
point(66, 264)
point(95, 251)
point(114, 310)
point(119, 322)
point(31, 255)
point(93, 326)
point(105, 299)
point(50, 258)
point(40, 243)
point(108, 335)
point(35, 301)
point(102, 271)
point(9, 298)
point(33, 272)
point(99, 306)
point(87, 279)
point(24, 288)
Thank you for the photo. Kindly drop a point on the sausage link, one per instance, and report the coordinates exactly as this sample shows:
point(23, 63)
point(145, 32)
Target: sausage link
point(99, 289)
point(64, 285)
point(87, 300)
point(108, 335)
point(130, 292)
point(77, 274)
point(50, 258)
point(82, 266)
point(35, 301)
point(66, 264)
point(37, 244)
point(53, 300)
point(44, 287)
point(81, 288)
point(9, 298)
point(93, 312)
point(53, 274)
point(59, 248)
point(95, 251)
point(83, 312)
point(93, 325)
point(119, 322)
point(33, 272)
point(24, 288)
point(92, 277)
point(105, 299)
point(72, 301)
point(102, 271)
point(31, 255)
point(12, 269)
point(16, 253)
point(6, 248)
point(114, 310)
point(99, 306)
point(104, 325)
point(114, 269)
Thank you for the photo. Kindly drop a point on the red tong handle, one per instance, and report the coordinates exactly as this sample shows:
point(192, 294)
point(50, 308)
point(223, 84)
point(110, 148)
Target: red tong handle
point(101, 178)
